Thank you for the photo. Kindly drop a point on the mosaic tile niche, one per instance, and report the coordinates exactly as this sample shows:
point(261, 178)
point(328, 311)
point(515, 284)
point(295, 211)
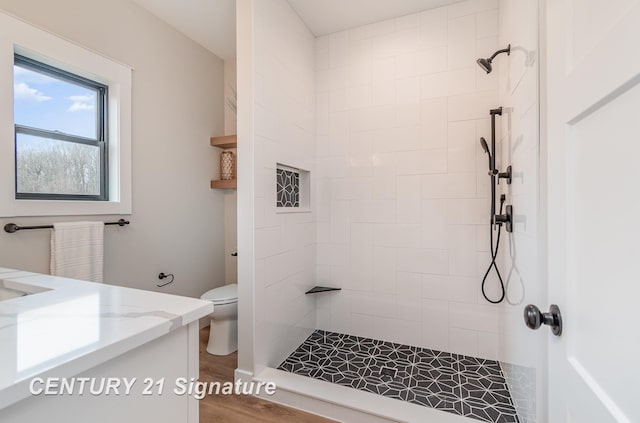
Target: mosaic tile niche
point(288, 188)
point(292, 188)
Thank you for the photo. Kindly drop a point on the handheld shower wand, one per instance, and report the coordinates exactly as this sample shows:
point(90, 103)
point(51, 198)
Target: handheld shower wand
point(485, 147)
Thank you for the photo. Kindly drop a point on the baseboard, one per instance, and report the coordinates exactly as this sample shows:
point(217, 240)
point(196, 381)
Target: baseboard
point(240, 374)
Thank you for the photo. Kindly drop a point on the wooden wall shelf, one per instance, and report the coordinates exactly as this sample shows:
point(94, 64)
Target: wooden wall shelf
point(230, 184)
point(227, 141)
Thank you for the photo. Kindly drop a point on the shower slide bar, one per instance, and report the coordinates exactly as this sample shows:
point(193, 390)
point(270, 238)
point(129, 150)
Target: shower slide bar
point(12, 227)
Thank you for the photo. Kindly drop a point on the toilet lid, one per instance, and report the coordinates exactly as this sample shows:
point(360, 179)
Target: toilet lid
point(224, 294)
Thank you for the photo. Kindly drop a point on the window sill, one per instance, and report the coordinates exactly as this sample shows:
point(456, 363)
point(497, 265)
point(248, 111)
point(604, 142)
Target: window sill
point(27, 208)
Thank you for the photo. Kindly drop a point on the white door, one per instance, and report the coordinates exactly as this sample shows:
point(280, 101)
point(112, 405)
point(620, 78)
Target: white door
point(593, 143)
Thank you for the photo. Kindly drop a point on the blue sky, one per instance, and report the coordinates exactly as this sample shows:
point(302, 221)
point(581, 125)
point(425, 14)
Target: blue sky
point(44, 102)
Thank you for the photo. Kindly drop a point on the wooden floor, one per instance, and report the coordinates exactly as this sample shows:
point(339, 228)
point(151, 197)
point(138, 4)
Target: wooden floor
point(239, 408)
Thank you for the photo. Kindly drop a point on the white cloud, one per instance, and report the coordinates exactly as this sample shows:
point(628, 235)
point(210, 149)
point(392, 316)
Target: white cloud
point(81, 102)
point(22, 91)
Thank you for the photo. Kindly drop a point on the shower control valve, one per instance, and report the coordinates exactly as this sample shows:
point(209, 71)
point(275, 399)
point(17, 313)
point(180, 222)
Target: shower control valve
point(506, 218)
point(505, 175)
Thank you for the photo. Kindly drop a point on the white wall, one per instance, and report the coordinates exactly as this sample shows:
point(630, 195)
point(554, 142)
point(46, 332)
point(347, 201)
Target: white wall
point(177, 221)
point(230, 85)
point(521, 262)
point(246, 187)
point(230, 196)
point(283, 133)
point(403, 193)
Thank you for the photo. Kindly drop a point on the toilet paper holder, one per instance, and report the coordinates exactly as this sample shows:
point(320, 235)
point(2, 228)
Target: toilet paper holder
point(162, 276)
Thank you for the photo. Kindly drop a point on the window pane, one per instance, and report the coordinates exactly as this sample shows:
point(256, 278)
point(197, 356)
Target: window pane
point(47, 166)
point(45, 102)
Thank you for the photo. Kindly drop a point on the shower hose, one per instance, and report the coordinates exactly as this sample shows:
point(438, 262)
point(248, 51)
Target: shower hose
point(494, 254)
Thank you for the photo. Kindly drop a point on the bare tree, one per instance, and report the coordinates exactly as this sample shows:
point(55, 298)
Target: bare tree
point(63, 168)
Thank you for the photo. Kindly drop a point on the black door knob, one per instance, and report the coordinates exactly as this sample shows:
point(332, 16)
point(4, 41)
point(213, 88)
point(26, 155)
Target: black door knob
point(534, 318)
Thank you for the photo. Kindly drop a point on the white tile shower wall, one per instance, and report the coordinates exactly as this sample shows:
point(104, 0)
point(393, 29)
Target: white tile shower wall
point(284, 127)
point(402, 201)
point(518, 80)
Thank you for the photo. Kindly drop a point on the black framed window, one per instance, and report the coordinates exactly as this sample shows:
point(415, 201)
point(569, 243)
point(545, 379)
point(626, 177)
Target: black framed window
point(61, 138)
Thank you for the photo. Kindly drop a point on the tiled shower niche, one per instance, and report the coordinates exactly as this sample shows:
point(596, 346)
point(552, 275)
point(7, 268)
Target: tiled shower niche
point(454, 383)
point(292, 188)
point(288, 188)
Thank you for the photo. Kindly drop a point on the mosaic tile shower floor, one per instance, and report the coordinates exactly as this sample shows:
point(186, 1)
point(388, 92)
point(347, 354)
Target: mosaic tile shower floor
point(454, 383)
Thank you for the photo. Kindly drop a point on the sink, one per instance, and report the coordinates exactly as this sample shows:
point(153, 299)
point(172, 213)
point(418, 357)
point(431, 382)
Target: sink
point(11, 289)
point(9, 294)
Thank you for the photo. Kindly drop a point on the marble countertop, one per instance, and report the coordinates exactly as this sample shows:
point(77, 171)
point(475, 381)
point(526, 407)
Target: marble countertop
point(67, 326)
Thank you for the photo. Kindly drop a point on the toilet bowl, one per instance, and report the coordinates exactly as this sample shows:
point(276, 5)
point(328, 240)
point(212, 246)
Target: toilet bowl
point(223, 332)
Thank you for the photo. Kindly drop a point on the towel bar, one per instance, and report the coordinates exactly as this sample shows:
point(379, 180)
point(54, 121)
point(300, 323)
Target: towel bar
point(12, 227)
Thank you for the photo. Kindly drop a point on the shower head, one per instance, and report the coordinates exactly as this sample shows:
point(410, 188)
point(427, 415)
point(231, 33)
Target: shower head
point(485, 64)
point(484, 145)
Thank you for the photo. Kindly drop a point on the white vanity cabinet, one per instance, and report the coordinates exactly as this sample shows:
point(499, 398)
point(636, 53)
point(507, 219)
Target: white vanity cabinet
point(68, 331)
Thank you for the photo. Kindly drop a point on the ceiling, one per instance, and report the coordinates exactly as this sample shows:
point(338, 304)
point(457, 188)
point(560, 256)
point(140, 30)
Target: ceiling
point(212, 23)
point(326, 16)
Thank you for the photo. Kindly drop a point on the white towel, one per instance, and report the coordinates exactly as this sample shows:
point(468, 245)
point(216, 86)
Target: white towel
point(77, 250)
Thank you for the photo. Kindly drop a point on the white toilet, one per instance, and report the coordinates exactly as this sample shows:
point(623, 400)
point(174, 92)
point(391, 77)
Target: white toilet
point(223, 332)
